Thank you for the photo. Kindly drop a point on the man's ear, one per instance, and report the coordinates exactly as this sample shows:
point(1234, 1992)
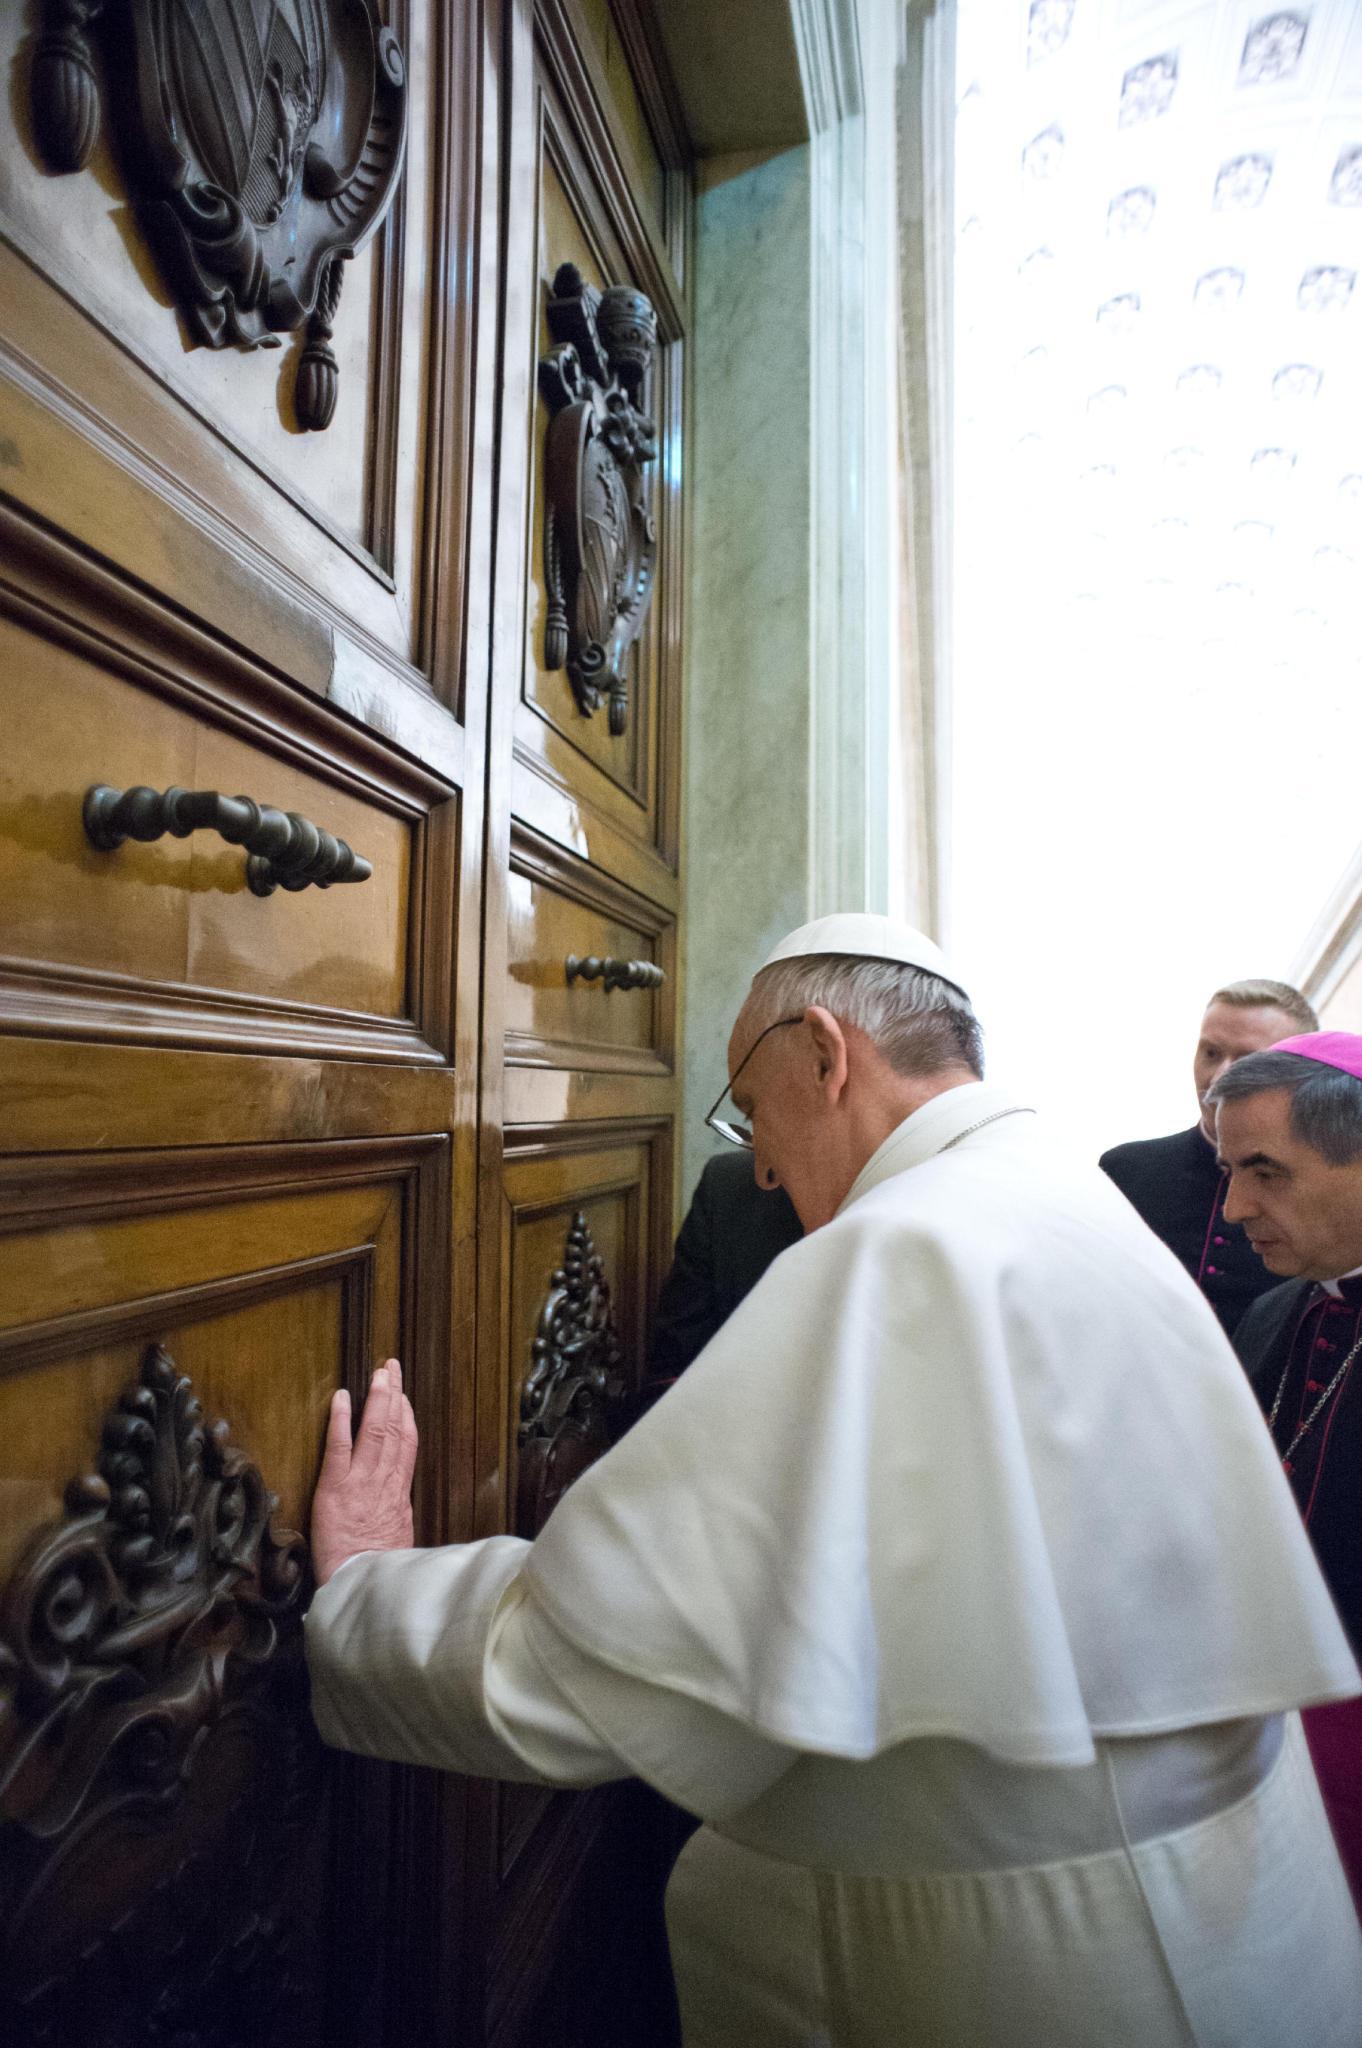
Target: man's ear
point(830, 1049)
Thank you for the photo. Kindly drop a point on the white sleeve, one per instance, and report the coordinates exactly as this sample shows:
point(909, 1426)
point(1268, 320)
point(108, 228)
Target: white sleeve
point(703, 1759)
point(443, 1657)
point(396, 1648)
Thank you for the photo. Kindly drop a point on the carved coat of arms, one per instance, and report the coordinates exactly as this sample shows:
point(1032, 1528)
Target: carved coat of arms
point(600, 541)
point(264, 140)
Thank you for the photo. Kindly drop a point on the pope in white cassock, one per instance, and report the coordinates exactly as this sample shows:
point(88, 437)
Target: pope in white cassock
point(956, 1586)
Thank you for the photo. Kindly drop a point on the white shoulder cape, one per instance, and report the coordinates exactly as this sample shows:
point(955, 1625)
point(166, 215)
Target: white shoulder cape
point(973, 1460)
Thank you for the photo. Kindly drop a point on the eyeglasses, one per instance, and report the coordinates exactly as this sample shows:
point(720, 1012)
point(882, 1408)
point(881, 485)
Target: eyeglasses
point(735, 1132)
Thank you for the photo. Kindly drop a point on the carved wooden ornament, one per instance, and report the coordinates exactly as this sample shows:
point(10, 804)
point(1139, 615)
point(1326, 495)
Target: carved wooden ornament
point(600, 542)
point(157, 1767)
point(263, 139)
point(571, 1399)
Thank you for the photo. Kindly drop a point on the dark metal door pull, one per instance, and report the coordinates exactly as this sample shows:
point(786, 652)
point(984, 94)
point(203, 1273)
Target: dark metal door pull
point(284, 850)
point(614, 973)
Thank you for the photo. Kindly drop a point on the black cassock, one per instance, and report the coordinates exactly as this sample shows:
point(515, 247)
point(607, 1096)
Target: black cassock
point(732, 1232)
point(1297, 1339)
point(1178, 1188)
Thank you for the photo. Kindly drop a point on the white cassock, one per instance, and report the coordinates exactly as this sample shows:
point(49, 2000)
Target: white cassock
point(957, 1587)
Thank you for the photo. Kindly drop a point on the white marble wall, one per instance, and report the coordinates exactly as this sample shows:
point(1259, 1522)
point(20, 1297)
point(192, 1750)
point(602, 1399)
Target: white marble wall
point(746, 824)
point(803, 790)
point(1328, 964)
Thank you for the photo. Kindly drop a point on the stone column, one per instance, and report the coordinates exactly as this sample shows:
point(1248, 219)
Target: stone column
point(749, 668)
point(804, 771)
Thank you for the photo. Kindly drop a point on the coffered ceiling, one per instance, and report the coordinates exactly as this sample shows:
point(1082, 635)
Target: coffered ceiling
point(1159, 212)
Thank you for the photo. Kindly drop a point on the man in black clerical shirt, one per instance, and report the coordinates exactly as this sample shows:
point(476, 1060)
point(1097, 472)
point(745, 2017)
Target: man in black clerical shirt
point(732, 1232)
point(1176, 1183)
point(1289, 1130)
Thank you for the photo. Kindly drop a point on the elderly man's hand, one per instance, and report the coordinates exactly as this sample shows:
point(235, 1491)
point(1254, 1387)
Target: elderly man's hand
point(363, 1497)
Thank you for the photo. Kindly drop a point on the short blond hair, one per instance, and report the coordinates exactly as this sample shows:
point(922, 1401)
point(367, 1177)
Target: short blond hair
point(1269, 995)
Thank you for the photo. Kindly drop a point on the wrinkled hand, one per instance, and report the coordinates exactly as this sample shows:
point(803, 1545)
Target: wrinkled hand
point(363, 1497)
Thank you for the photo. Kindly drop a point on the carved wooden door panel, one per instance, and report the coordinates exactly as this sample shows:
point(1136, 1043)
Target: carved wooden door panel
point(583, 902)
point(175, 1840)
point(245, 511)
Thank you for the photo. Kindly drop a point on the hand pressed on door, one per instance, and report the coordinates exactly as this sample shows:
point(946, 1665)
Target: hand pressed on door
point(363, 1497)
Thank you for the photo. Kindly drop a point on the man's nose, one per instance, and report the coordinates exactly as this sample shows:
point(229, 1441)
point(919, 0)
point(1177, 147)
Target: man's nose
point(1217, 1070)
point(1239, 1204)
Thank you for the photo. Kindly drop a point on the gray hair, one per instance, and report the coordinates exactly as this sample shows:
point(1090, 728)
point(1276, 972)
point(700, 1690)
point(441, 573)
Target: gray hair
point(1326, 1103)
point(1265, 995)
point(919, 1023)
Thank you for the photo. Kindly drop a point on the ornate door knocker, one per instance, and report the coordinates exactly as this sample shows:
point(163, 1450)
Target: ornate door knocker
point(600, 542)
point(572, 1399)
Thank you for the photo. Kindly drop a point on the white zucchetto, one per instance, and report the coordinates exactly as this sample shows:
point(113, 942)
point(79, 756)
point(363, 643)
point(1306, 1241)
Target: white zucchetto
point(865, 935)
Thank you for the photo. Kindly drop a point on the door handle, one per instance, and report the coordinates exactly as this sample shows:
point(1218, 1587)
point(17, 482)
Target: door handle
point(614, 973)
point(283, 849)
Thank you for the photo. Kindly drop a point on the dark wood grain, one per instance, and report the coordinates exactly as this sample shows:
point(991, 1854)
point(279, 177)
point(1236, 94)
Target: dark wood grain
point(262, 151)
point(283, 1148)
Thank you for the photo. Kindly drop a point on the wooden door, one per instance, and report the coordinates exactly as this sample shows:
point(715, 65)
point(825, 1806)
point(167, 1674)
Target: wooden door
point(578, 1143)
point(255, 1137)
point(238, 1128)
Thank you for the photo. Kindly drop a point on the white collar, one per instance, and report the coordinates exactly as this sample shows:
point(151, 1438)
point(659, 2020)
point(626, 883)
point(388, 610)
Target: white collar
point(1332, 1286)
point(942, 1121)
